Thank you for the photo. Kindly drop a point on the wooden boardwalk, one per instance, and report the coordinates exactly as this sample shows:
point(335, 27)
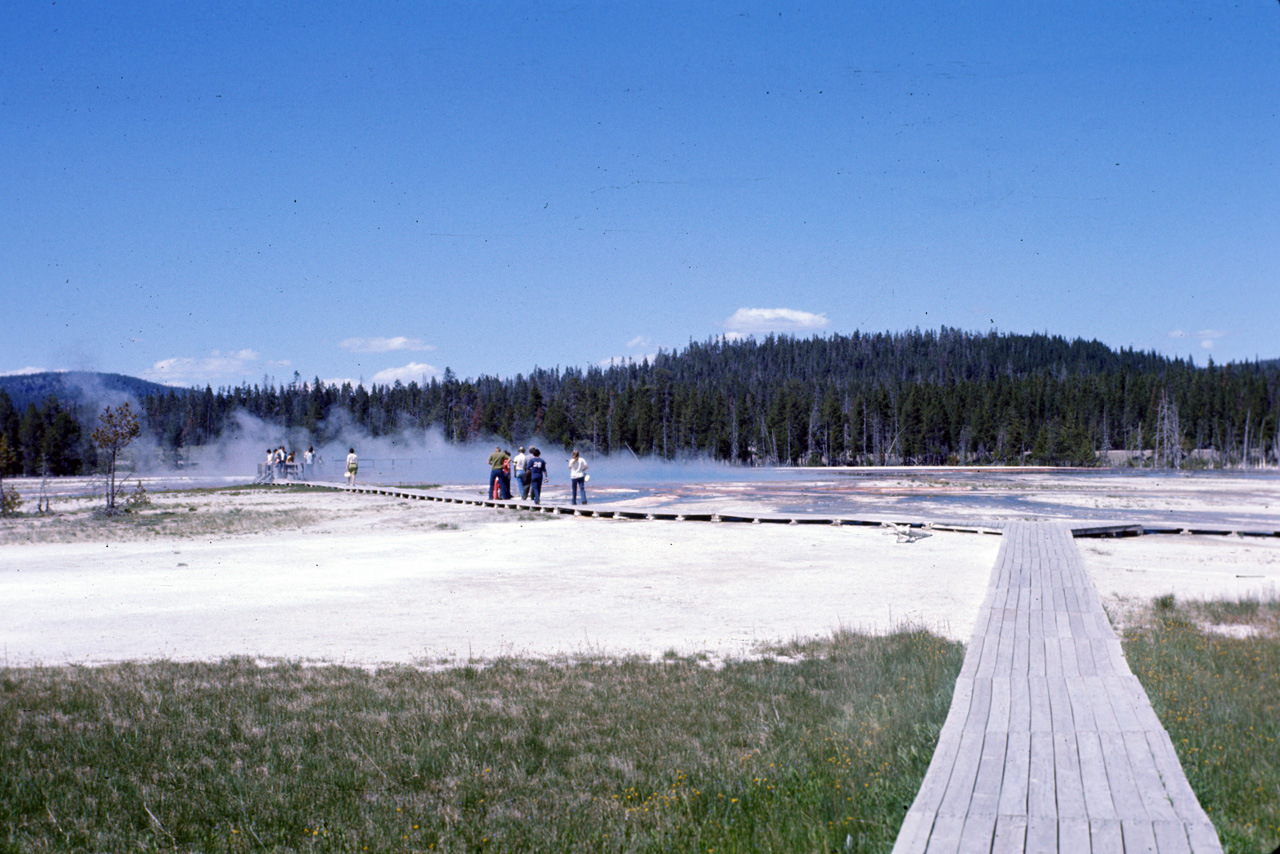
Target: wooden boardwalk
point(1051, 743)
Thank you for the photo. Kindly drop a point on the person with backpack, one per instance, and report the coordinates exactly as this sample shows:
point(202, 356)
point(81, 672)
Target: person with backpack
point(495, 471)
point(537, 468)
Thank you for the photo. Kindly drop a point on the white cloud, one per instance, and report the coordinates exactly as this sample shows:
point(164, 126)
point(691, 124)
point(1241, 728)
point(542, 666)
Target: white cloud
point(27, 370)
point(384, 345)
point(746, 321)
point(1209, 337)
point(1178, 333)
point(412, 372)
point(638, 341)
point(217, 367)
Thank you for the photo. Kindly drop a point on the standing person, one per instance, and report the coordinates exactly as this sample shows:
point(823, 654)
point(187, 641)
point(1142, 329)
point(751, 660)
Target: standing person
point(537, 471)
point(269, 469)
point(495, 471)
point(308, 458)
point(280, 463)
point(504, 479)
point(352, 466)
point(578, 477)
point(518, 468)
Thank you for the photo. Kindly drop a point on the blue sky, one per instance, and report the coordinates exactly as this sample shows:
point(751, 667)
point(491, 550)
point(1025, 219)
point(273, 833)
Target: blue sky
point(214, 193)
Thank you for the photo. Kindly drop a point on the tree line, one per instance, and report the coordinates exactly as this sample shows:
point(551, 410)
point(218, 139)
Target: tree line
point(920, 397)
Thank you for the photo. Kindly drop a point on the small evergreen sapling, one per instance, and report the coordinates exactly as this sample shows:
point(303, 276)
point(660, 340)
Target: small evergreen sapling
point(116, 429)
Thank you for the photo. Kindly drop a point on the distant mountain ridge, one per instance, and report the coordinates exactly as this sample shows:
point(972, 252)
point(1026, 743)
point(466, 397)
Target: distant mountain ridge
point(78, 387)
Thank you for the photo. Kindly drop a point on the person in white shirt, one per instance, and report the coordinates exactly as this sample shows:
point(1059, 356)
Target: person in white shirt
point(578, 477)
point(519, 468)
point(352, 465)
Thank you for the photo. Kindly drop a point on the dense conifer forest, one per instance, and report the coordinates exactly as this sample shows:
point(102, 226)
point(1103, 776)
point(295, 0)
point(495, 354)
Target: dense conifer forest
point(927, 398)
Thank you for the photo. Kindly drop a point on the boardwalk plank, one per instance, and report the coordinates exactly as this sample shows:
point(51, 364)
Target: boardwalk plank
point(1105, 836)
point(1042, 799)
point(977, 834)
point(986, 787)
point(1093, 776)
point(1171, 837)
point(1017, 771)
point(1139, 837)
point(1011, 835)
point(1001, 703)
point(1067, 782)
point(1073, 835)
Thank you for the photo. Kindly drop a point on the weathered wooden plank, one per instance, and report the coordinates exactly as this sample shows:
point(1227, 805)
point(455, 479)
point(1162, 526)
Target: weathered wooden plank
point(979, 706)
point(1082, 704)
point(1019, 704)
point(1093, 777)
point(1011, 835)
point(1165, 757)
point(986, 787)
point(1171, 837)
point(1041, 711)
point(955, 801)
point(1124, 791)
point(1105, 836)
point(1042, 833)
point(1017, 769)
point(1060, 705)
point(1001, 703)
point(1067, 782)
point(1073, 835)
point(1147, 778)
point(1203, 837)
point(1041, 795)
point(945, 838)
point(1139, 837)
point(979, 829)
point(913, 836)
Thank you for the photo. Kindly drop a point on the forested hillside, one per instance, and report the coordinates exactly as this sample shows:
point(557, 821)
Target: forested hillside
point(944, 397)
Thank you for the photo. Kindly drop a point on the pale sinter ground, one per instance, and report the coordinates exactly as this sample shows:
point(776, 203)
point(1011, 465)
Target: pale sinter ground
point(365, 580)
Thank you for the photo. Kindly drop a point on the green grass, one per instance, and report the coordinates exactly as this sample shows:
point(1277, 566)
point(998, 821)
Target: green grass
point(823, 753)
point(1219, 698)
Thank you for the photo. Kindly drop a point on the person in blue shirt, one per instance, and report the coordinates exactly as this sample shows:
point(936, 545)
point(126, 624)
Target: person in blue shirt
point(537, 469)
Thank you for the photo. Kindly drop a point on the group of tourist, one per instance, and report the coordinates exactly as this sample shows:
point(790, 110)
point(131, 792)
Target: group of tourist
point(281, 464)
point(530, 471)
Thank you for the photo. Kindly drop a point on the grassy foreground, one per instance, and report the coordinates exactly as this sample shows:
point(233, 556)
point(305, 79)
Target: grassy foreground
point(1219, 698)
point(822, 751)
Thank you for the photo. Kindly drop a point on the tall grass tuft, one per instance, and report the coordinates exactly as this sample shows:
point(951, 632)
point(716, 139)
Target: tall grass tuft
point(1219, 699)
point(821, 752)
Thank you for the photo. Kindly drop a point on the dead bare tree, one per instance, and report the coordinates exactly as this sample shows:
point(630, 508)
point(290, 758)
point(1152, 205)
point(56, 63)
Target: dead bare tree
point(1168, 438)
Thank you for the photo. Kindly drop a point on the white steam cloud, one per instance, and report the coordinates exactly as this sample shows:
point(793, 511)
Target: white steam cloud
point(412, 372)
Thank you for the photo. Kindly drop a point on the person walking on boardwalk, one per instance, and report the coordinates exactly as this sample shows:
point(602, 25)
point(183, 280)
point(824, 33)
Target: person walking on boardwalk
point(537, 472)
point(578, 477)
point(519, 468)
point(352, 466)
